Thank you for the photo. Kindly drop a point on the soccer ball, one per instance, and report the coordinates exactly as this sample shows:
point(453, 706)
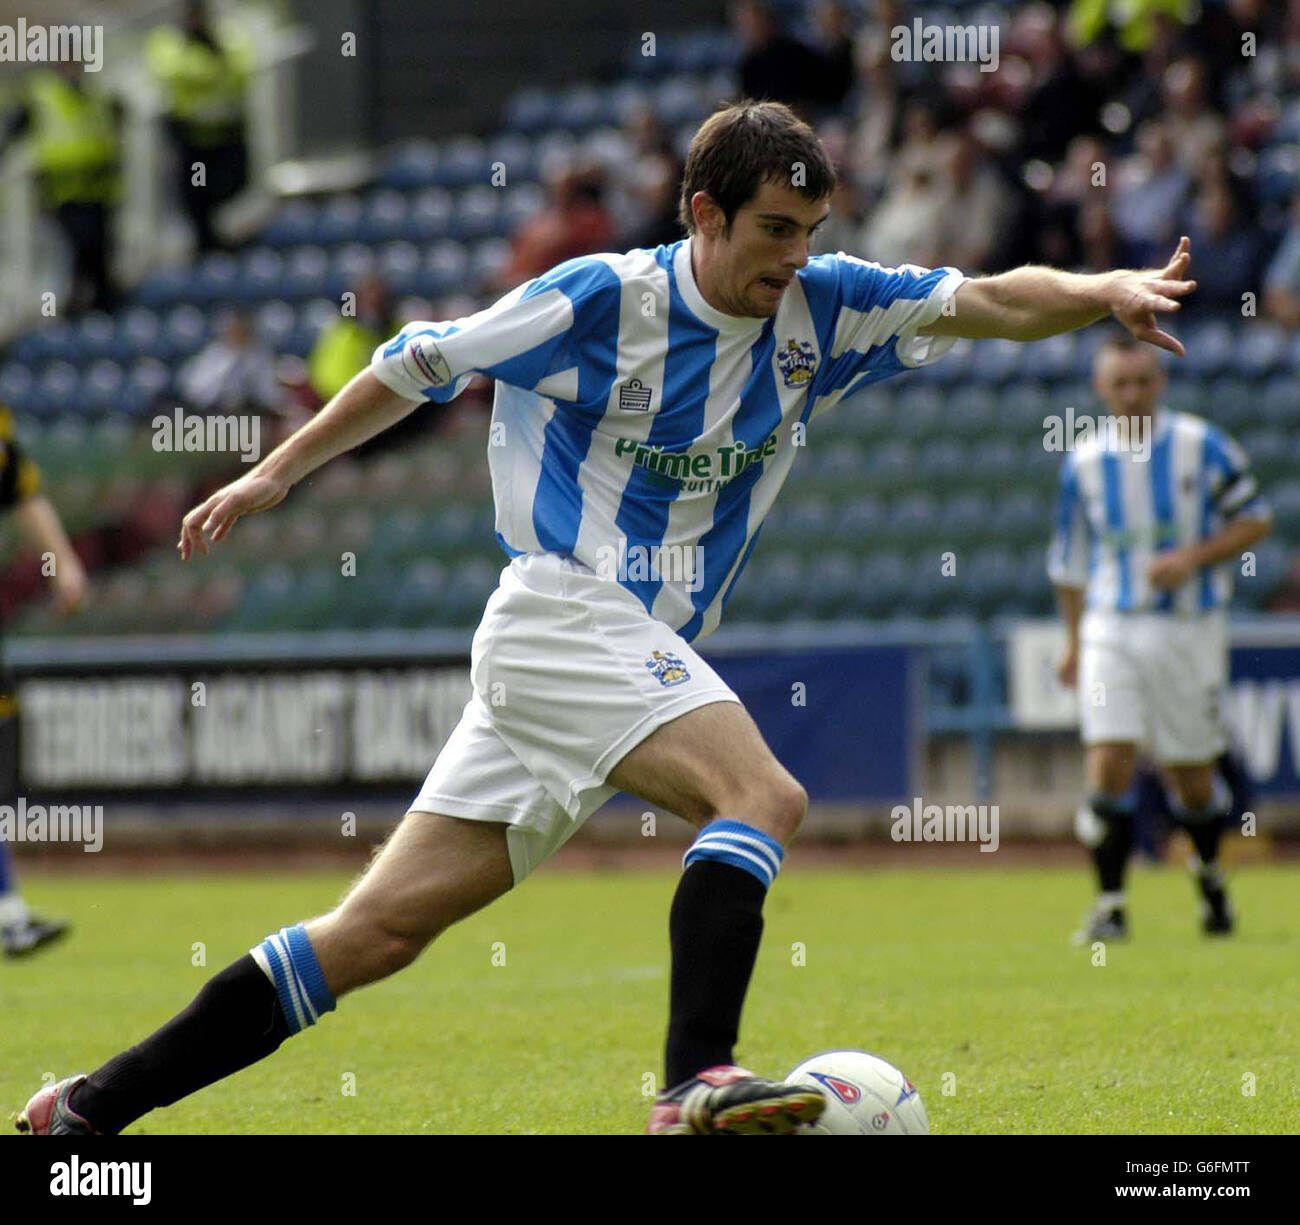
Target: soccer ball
point(865, 1096)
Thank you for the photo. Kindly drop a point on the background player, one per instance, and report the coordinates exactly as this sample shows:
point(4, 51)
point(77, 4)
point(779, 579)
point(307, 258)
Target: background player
point(584, 686)
point(1146, 536)
point(20, 930)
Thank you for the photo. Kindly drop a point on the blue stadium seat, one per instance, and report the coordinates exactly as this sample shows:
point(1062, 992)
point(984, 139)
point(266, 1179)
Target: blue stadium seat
point(146, 386)
point(446, 265)
point(185, 330)
point(306, 273)
point(971, 410)
point(518, 203)
point(339, 220)
point(530, 110)
point(913, 517)
point(101, 387)
point(166, 287)
point(1261, 349)
point(883, 580)
point(348, 268)
point(94, 335)
point(946, 459)
point(1279, 403)
point(383, 216)
point(17, 386)
point(1233, 403)
point(582, 107)
point(1285, 500)
point(52, 340)
point(429, 216)
point(464, 161)
point(260, 273)
point(312, 317)
point(274, 322)
point(1209, 347)
point(487, 260)
point(517, 156)
point(630, 97)
point(140, 333)
point(680, 99)
point(399, 266)
point(214, 278)
point(832, 583)
point(294, 224)
point(55, 393)
point(477, 213)
point(861, 521)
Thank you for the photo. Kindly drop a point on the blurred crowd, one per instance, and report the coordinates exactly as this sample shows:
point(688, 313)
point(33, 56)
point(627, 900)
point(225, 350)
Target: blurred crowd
point(1094, 145)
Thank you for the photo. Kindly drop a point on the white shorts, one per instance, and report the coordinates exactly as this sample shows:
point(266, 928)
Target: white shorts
point(570, 674)
point(1154, 679)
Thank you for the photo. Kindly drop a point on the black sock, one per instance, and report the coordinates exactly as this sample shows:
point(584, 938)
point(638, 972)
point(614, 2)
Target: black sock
point(235, 1020)
point(714, 928)
point(1112, 853)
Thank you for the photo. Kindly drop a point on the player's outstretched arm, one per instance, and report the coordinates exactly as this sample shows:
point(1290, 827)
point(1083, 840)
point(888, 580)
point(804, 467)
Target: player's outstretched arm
point(364, 408)
point(1032, 302)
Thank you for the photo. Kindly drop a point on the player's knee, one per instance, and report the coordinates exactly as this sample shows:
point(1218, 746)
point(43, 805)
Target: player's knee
point(782, 808)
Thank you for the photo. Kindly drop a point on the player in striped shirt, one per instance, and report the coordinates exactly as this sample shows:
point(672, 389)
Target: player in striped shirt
point(648, 408)
point(1151, 519)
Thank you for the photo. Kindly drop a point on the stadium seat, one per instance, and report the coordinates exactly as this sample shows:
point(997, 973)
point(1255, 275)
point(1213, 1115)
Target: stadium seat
point(476, 213)
point(429, 216)
point(530, 109)
point(339, 220)
point(383, 216)
point(214, 278)
point(445, 268)
point(464, 161)
point(292, 226)
point(306, 273)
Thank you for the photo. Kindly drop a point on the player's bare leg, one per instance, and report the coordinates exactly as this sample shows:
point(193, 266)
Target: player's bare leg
point(1201, 803)
point(433, 871)
point(1105, 826)
point(712, 767)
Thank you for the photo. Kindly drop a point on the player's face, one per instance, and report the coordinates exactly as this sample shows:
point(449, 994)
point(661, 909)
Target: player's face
point(746, 271)
point(1130, 382)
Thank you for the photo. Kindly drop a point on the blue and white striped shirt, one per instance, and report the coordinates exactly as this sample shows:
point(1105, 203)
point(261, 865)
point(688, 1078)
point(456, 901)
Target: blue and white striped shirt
point(630, 415)
point(1118, 507)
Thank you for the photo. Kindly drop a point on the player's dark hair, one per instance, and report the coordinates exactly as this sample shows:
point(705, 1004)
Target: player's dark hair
point(746, 144)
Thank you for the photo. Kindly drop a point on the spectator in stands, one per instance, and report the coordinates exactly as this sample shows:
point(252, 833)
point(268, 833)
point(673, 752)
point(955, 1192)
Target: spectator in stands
point(977, 205)
point(1061, 103)
point(1194, 128)
point(73, 127)
point(1099, 241)
point(574, 222)
point(777, 66)
point(347, 344)
point(1150, 192)
point(907, 220)
point(1229, 252)
point(204, 78)
point(234, 373)
point(1282, 279)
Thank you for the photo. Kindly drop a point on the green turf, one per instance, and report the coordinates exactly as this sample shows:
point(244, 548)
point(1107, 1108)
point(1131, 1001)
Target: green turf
point(964, 979)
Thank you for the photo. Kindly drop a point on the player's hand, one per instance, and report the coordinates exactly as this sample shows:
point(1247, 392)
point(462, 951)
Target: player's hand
point(1137, 298)
point(1169, 570)
point(1067, 667)
point(213, 519)
point(69, 585)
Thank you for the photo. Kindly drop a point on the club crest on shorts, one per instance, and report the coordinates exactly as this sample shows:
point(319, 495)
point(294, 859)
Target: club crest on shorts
point(667, 669)
point(424, 362)
point(798, 362)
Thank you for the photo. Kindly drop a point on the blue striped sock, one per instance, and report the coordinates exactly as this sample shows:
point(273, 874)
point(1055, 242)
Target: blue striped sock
point(289, 961)
point(740, 845)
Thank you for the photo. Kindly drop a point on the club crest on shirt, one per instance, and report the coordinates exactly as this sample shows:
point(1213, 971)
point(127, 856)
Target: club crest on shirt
point(798, 362)
point(424, 362)
point(667, 669)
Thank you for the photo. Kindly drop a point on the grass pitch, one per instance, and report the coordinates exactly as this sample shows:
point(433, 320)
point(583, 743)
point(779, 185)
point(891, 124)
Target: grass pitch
point(545, 1013)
